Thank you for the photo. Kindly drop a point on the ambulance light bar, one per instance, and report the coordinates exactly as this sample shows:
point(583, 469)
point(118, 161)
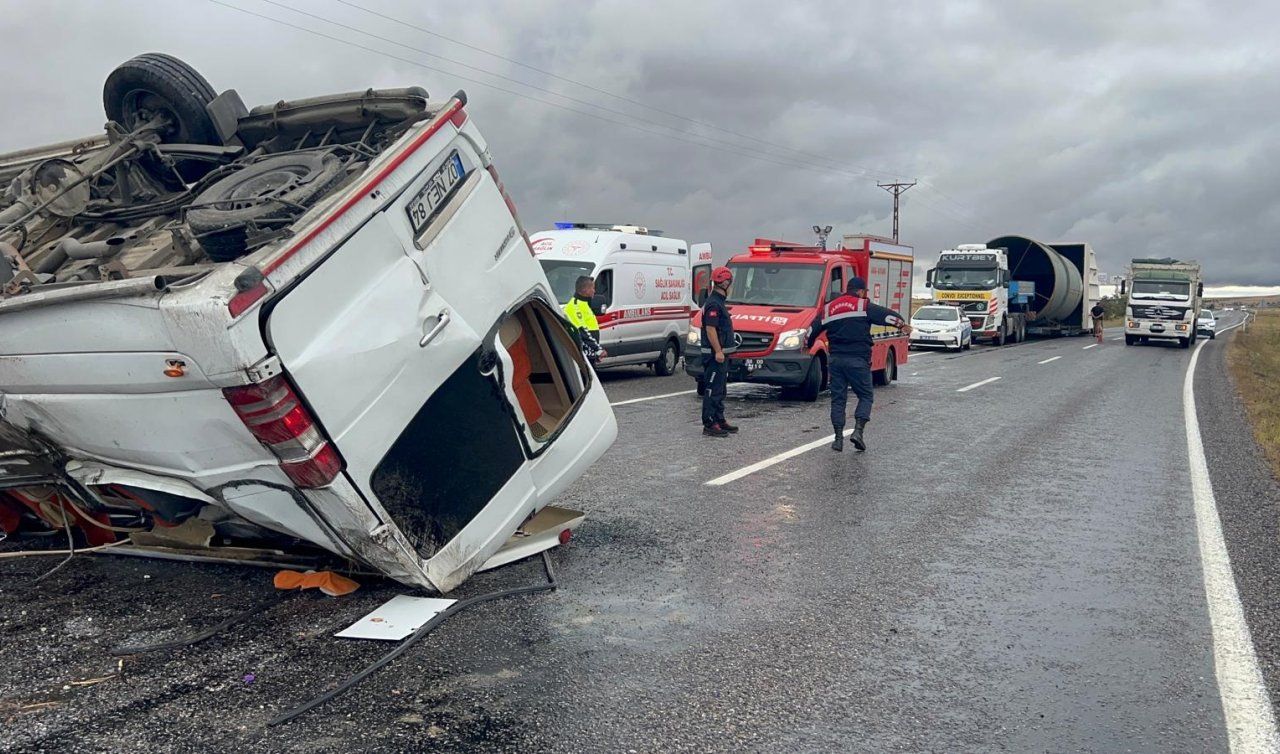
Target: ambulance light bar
point(636, 229)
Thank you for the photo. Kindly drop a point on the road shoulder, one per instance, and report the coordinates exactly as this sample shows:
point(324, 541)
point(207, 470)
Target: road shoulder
point(1248, 498)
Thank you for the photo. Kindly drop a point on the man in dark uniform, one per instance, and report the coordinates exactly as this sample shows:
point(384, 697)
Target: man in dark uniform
point(717, 343)
point(847, 321)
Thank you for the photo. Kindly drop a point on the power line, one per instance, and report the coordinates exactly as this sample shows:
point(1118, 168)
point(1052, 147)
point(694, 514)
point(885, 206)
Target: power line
point(623, 98)
point(484, 71)
point(707, 141)
point(607, 93)
point(700, 141)
point(687, 137)
point(734, 150)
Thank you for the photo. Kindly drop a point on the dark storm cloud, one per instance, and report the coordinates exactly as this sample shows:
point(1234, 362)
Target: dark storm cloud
point(1142, 128)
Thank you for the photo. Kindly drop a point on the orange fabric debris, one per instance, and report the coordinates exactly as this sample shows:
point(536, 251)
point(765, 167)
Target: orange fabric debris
point(328, 582)
point(522, 367)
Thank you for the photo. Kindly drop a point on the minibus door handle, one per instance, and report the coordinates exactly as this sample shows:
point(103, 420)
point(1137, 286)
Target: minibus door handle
point(443, 318)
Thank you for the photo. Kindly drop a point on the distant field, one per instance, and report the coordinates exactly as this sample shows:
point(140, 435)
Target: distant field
point(1254, 358)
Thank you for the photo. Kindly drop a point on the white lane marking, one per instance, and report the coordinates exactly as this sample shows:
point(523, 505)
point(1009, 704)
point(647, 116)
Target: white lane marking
point(1119, 338)
point(967, 388)
point(652, 398)
point(1046, 361)
point(1086, 348)
point(771, 461)
point(1250, 721)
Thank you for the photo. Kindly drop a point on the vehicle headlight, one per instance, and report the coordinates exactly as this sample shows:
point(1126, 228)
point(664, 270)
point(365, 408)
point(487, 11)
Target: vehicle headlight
point(791, 340)
point(694, 338)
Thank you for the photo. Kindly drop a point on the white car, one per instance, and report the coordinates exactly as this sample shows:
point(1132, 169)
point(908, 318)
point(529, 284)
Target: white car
point(1207, 324)
point(944, 326)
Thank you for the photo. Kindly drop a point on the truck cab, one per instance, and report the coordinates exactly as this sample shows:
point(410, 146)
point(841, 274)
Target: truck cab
point(779, 288)
point(977, 279)
point(1163, 301)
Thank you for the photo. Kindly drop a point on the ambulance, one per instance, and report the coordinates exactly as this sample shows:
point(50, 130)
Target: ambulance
point(643, 287)
point(778, 289)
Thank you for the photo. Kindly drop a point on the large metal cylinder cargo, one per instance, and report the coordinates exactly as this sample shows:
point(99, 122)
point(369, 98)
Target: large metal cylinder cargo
point(1058, 281)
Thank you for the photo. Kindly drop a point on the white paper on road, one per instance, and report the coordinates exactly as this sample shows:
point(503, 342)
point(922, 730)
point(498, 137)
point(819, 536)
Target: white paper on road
point(652, 398)
point(396, 618)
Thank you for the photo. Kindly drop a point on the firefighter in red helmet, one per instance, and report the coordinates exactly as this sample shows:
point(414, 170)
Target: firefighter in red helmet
point(717, 344)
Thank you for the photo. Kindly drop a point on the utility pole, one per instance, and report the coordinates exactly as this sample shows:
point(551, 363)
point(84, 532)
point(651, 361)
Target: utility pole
point(896, 189)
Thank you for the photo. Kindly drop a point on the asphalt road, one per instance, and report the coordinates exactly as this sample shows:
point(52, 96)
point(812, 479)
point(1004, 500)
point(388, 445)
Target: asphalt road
point(1012, 567)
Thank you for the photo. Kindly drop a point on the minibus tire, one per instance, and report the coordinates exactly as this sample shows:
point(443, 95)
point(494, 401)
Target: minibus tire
point(223, 212)
point(154, 81)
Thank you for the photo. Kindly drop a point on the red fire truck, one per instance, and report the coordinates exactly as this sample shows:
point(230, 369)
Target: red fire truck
point(778, 289)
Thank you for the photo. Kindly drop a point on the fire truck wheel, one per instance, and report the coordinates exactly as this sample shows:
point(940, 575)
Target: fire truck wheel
point(812, 385)
point(887, 375)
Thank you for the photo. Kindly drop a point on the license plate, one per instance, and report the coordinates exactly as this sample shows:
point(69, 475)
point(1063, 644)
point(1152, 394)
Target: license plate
point(926, 337)
point(754, 364)
point(423, 206)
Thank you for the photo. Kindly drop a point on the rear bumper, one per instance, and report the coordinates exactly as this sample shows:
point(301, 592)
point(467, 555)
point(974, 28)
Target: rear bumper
point(786, 369)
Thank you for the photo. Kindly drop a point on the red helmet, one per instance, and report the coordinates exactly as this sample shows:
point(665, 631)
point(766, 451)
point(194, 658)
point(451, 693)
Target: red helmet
point(722, 275)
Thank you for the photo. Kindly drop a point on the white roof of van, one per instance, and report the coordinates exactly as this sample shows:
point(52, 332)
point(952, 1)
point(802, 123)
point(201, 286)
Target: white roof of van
point(592, 245)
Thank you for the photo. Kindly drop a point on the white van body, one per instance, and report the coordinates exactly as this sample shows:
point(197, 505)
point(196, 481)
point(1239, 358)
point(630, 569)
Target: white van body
point(410, 353)
point(644, 284)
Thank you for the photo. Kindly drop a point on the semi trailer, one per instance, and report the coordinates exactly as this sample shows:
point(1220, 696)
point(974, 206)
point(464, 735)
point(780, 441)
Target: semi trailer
point(1014, 286)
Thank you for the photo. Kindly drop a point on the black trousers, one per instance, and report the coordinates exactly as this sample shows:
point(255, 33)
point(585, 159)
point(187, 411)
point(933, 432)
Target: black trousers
point(850, 372)
point(716, 377)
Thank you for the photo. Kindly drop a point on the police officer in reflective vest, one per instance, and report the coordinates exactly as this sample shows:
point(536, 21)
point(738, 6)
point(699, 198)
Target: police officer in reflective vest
point(583, 319)
point(847, 321)
point(717, 343)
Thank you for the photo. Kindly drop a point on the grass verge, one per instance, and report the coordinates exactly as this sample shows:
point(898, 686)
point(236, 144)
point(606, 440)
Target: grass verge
point(1254, 359)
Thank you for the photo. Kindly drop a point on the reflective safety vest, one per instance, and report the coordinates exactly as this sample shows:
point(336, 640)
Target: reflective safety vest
point(580, 315)
point(847, 320)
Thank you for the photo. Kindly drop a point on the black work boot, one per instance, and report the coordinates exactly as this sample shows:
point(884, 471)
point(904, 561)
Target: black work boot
point(727, 427)
point(838, 444)
point(858, 442)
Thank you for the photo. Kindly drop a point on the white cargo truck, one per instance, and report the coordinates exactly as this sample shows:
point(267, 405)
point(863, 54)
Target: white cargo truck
point(316, 322)
point(1163, 301)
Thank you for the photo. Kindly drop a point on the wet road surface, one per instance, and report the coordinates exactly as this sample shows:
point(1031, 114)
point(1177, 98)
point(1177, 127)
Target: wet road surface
point(1012, 567)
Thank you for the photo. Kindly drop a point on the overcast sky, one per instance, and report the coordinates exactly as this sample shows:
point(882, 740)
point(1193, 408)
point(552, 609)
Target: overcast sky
point(1142, 128)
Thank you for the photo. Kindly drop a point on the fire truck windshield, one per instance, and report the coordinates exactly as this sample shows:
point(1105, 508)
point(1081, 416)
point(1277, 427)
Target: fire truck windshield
point(964, 279)
point(775, 284)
